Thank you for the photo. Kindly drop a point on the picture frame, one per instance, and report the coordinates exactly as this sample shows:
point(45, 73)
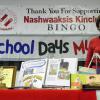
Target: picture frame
point(7, 76)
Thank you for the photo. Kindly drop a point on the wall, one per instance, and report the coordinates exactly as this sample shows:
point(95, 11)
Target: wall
point(50, 2)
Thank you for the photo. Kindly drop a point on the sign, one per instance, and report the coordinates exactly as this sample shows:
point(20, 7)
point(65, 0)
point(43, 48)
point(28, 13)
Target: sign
point(48, 20)
point(30, 47)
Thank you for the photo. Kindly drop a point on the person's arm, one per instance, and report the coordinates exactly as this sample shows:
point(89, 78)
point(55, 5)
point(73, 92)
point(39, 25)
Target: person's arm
point(89, 54)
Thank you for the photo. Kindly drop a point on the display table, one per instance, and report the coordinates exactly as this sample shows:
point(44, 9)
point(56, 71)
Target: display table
point(46, 94)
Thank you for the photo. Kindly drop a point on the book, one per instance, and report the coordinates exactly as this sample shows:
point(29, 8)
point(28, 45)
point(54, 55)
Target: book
point(59, 70)
point(32, 73)
point(92, 82)
point(47, 72)
point(85, 81)
point(77, 81)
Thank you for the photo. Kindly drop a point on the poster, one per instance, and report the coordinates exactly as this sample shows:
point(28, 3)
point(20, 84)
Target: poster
point(48, 20)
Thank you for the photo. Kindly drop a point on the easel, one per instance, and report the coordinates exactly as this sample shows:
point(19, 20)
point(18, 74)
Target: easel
point(96, 56)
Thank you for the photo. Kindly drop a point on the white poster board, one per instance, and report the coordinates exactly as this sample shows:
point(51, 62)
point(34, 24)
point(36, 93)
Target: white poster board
point(48, 20)
point(23, 48)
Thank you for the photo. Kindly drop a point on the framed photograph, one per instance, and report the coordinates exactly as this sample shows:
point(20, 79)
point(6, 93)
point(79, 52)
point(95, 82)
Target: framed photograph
point(7, 76)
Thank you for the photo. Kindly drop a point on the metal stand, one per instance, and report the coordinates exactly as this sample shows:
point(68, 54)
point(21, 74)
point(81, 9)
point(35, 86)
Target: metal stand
point(95, 55)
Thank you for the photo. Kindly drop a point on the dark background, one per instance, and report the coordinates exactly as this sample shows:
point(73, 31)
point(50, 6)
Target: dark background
point(18, 63)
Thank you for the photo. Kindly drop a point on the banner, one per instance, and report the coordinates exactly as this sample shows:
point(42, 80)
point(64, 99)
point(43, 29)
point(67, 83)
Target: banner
point(29, 47)
point(48, 20)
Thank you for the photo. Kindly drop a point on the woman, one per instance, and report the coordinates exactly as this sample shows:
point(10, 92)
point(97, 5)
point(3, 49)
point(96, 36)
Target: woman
point(94, 47)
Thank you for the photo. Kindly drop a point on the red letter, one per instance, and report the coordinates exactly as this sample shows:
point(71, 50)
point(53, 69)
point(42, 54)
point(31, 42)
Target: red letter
point(81, 47)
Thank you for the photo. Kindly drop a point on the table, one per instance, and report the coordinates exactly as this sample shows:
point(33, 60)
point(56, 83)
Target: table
point(46, 94)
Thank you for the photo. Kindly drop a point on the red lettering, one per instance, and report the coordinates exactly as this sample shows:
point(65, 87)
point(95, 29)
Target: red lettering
point(78, 48)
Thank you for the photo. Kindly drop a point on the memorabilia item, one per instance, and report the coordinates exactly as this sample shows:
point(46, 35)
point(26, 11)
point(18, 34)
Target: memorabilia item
point(47, 73)
point(77, 81)
point(92, 82)
point(59, 70)
point(85, 81)
point(86, 70)
point(7, 76)
point(32, 73)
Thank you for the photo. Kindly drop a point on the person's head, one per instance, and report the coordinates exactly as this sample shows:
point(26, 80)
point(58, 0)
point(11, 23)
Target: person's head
point(98, 22)
point(91, 79)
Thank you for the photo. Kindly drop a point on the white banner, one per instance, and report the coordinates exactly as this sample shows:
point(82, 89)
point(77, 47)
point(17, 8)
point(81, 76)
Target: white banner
point(29, 47)
point(48, 20)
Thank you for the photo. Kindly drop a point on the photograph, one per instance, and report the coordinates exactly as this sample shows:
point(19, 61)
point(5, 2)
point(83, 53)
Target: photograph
point(7, 76)
point(63, 72)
